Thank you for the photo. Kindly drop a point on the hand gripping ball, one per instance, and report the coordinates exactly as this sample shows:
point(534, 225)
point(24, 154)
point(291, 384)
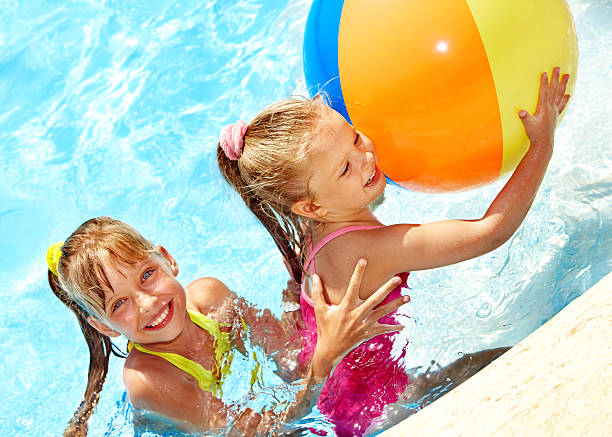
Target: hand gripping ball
point(437, 84)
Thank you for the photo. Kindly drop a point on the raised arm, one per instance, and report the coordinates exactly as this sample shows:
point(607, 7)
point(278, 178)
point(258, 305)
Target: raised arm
point(417, 247)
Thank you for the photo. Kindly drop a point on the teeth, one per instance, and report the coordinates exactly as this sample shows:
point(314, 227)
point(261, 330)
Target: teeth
point(372, 176)
point(160, 319)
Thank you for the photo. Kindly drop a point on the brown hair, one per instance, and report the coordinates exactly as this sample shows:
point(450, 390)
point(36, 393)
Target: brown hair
point(80, 285)
point(270, 175)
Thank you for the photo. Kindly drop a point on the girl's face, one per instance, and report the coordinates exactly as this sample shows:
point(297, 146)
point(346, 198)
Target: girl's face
point(146, 304)
point(346, 178)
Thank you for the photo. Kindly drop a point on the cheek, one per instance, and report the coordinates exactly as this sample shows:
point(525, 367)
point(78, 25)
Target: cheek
point(178, 293)
point(176, 286)
point(371, 148)
point(127, 317)
point(367, 143)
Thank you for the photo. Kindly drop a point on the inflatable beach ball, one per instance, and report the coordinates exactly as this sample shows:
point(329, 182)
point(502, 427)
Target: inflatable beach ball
point(438, 84)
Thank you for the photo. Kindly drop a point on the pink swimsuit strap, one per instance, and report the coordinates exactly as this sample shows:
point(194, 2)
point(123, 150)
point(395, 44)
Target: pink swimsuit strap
point(322, 243)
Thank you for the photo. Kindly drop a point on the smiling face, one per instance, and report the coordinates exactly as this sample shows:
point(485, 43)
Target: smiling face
point(146, 303)
point(346, 178)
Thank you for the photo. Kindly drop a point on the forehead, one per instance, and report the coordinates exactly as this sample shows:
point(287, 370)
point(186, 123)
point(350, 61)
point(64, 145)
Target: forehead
point(331, 129)
point(115, 271)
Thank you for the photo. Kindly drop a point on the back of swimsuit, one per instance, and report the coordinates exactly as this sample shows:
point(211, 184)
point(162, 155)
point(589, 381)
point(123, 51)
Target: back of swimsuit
point(369, 377)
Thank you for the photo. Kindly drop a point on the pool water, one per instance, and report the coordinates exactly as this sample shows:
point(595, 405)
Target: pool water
point(114, 108)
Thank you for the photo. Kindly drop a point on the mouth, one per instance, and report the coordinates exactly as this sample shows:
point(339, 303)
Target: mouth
point(374, 177)
point(162, 318)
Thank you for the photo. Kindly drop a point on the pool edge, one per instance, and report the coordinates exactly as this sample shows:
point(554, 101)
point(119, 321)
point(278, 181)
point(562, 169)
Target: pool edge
point(557, 381)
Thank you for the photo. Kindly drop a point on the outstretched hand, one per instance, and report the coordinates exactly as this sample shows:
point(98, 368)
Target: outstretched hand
point(540, 127)
point(343, 327)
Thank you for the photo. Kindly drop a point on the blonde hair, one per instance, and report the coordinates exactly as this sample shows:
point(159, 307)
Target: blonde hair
point(80, 284)
point(272, 172)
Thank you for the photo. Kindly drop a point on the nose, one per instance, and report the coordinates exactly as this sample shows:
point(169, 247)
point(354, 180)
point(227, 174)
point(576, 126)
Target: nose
point(145, 302)
point(367, 161)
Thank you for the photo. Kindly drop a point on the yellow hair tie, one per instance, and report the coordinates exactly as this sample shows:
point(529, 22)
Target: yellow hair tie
point(53, 255)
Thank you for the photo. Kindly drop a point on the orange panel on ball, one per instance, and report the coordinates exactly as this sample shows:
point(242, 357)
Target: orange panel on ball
point(418, 82)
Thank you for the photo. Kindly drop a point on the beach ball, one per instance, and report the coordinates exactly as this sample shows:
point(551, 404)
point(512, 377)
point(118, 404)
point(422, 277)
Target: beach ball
point(438, 84)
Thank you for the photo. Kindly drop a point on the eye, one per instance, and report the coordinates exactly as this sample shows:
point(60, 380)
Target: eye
point(118, 303)
point(357, 138)
point(347, 167)
point(146, 275)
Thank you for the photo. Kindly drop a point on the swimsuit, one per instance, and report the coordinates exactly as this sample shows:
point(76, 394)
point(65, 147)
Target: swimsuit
point(207, 380)
point(368, 377)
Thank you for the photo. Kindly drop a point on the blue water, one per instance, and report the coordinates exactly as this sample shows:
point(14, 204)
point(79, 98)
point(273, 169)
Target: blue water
point(114, 107)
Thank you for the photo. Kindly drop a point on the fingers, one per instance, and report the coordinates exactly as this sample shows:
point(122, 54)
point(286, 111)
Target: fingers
point(557, 90)
point(524, 115)
point(551, 93)
point(563, 103)
point(379, 329)
point(247, 422)
point(352, 292)
point(562, 87)
point(554, 86)
point(562, 98)
point(542, 99)
point(543, 96)
point(388, 308)
point(529, 122)
point(389, 328)
point(380, 294)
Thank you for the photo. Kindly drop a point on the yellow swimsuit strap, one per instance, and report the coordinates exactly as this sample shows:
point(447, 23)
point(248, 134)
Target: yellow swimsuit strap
point(206, 379)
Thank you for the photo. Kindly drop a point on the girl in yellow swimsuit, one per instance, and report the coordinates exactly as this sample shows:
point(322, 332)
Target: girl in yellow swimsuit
point(181, 339)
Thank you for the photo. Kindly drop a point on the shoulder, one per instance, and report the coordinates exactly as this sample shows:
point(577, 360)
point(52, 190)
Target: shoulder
point(380, 241)
point(336, 261)
point(212, 297)
point(346, 248)
point(207, 292)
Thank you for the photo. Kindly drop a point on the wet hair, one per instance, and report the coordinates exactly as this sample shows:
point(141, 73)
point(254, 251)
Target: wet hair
point(80, 284)
point(271, 174)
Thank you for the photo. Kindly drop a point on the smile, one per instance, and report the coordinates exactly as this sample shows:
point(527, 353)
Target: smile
point(162, 318)
point(373, 177)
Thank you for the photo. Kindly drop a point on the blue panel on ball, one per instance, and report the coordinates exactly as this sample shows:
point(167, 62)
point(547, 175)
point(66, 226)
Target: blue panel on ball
point(321, 52)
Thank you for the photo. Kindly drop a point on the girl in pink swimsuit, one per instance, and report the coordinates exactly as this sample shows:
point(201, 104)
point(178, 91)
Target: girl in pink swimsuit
point(310, 176)
point(352, 396)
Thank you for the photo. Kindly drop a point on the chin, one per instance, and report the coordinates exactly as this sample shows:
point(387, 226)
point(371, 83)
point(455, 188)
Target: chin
point(380, 188)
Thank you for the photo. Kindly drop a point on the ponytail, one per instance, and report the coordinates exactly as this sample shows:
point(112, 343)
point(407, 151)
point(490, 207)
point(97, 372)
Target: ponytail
point(283, 230)
point(76, 276)
point(100, 348)
point(273, 168)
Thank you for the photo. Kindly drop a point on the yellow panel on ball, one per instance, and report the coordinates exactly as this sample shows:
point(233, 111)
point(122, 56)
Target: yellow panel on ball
point(522, 39)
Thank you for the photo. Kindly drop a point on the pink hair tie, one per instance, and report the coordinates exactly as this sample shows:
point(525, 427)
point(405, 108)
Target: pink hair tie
point(232, 139)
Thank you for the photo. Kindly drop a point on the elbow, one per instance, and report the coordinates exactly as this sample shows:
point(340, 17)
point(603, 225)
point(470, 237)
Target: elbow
point(495, 235)
point(498, 240)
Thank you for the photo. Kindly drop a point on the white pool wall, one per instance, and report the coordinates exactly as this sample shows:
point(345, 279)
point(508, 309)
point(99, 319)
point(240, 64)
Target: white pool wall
point(556, 382)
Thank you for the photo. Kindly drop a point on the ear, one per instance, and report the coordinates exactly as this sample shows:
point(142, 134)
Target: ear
point(173, 265)
point(306, 208)
point(101, 327)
